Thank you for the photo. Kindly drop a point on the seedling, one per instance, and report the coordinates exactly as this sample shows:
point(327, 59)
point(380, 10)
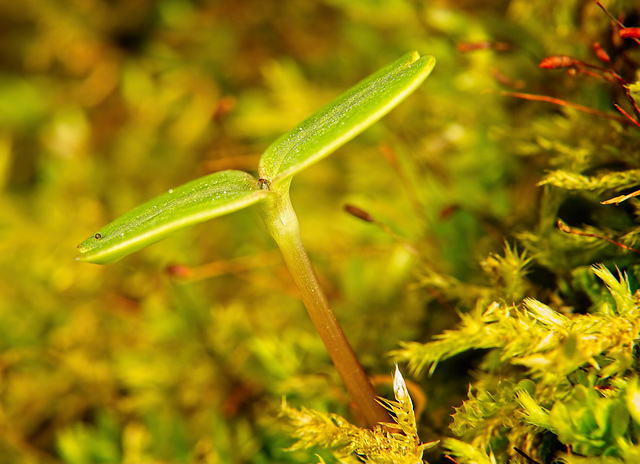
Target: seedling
point(227, 191)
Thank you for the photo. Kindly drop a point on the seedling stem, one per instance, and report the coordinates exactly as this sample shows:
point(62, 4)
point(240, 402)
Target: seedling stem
point(281, 220)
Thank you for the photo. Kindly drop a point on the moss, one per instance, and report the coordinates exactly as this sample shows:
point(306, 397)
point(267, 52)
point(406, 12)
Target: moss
point(529, 329)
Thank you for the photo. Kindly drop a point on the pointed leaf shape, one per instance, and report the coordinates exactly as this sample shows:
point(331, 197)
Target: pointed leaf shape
point(196, 201)
point(344, 118)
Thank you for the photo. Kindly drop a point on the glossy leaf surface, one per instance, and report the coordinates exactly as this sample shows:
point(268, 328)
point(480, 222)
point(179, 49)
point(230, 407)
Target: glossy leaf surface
point(344, 118)
point(228, 191)
point(191, 203)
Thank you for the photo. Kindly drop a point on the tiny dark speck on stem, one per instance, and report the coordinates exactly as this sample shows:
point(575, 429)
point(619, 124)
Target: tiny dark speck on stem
point(98, 236)
point(263, 184)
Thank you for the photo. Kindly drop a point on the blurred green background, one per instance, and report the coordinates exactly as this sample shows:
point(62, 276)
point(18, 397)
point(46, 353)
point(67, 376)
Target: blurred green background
point(182, 352)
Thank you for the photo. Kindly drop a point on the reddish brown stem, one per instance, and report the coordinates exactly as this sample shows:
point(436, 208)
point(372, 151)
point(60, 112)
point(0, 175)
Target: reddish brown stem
point(559, 102)
point(619, 108)
point(614, 19)
point(569, 230)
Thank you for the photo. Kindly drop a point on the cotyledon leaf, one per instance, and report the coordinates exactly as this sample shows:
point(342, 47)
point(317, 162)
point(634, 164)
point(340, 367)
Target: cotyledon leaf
point(191, 203)
point(228, 191)
point(344, 118)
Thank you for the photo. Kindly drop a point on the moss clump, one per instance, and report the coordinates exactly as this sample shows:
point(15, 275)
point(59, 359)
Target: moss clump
point(102, 108)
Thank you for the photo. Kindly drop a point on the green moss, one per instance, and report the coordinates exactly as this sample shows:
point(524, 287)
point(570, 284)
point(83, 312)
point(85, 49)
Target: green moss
point(531, 346)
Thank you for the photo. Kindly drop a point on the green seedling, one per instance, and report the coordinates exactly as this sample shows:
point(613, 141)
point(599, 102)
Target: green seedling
point(223, 192)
